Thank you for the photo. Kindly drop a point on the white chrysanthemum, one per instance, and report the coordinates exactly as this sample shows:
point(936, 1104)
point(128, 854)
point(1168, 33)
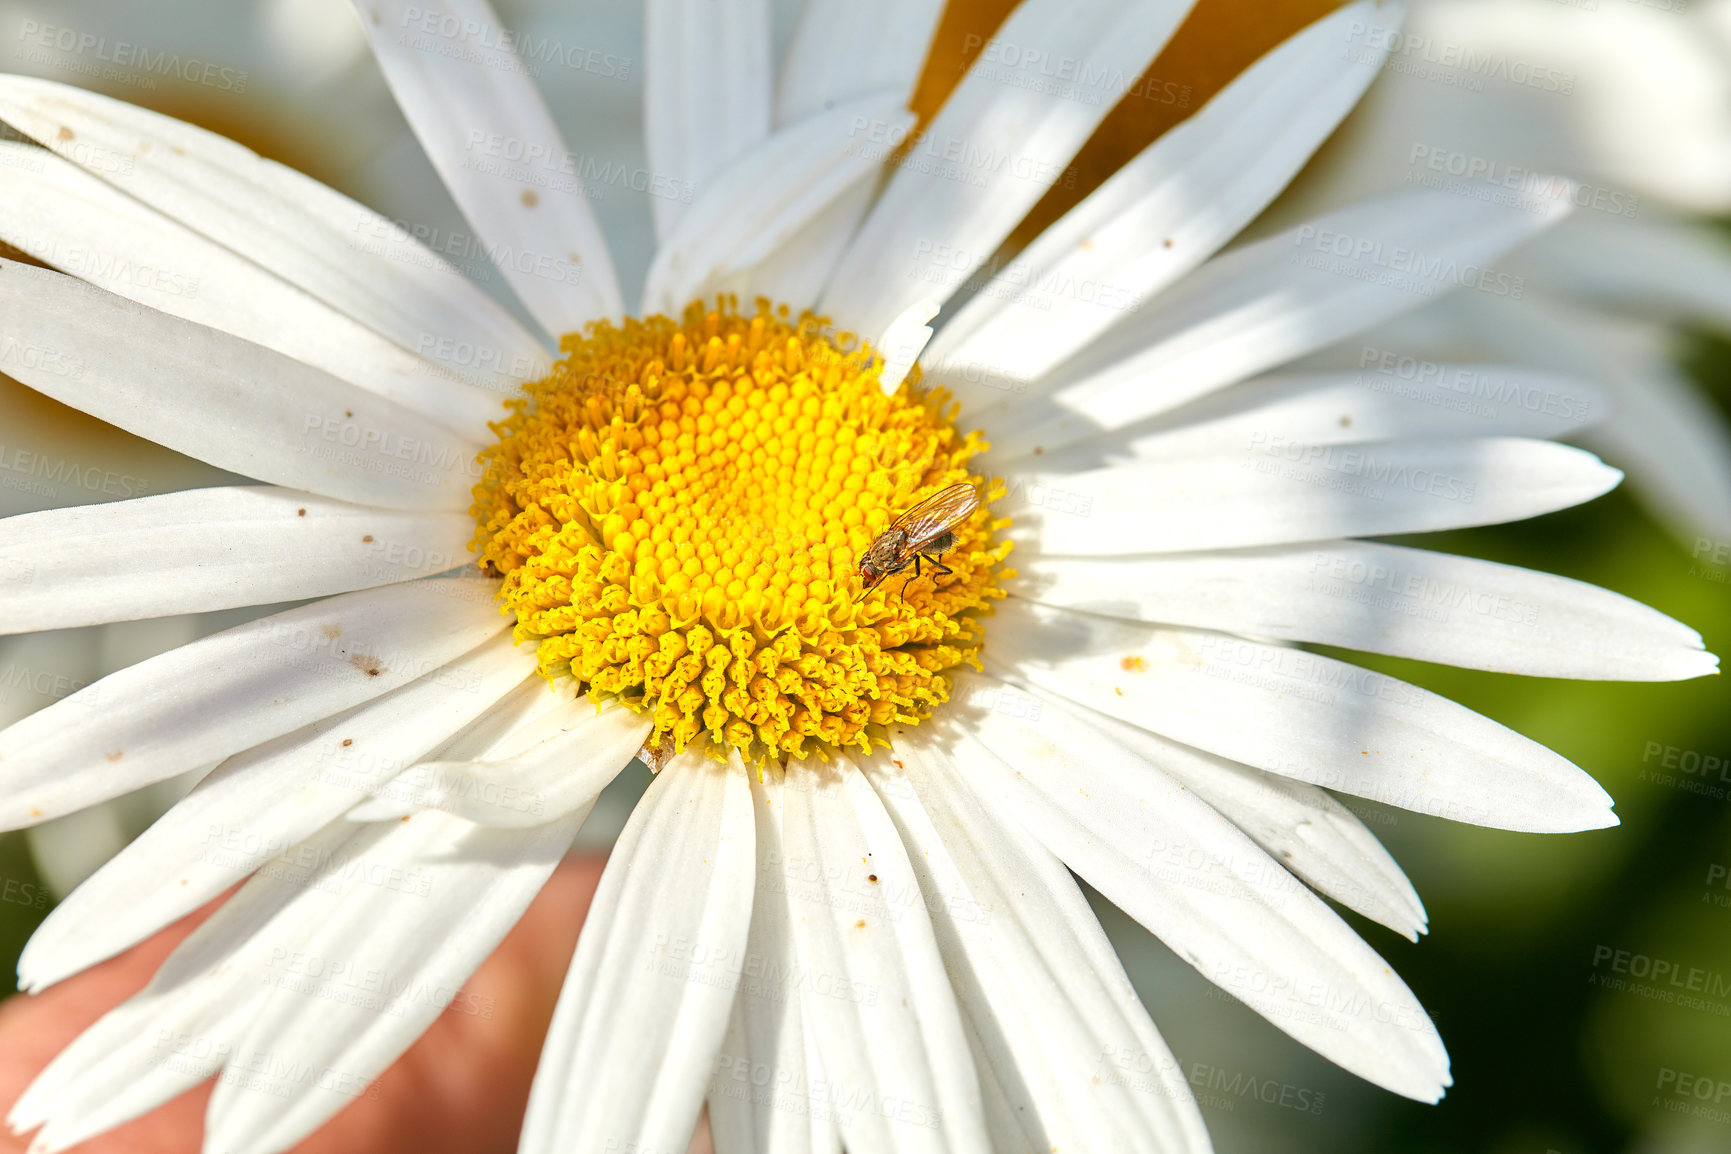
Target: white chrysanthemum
point(1486, 97)
point(879, 945)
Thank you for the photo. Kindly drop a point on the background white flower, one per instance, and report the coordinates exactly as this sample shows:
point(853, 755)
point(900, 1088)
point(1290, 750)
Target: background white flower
point(1634, 101)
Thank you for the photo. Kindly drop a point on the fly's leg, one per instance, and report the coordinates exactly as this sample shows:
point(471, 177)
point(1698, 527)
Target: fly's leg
point(936, 564)
point(905, 580)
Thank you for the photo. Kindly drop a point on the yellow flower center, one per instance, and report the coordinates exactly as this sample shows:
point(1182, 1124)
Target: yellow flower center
point(679, 510)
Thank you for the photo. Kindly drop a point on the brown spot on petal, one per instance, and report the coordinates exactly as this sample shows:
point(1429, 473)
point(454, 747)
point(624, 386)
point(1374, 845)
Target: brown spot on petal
point(368, 665)
point(331, 631)
point(530, 199)
point(859, 925)
point(348, 741)
point(1134, 663)
point(117, 755)
point(65, 133)
point(872, 878)
point(300, 512)
point(368, 537)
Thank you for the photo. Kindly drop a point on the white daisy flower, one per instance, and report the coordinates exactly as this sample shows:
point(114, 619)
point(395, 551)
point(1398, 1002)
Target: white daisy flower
point(841, 914)
point(1494, 97)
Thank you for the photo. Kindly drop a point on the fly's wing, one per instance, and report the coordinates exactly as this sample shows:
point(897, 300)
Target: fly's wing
point(936, 513)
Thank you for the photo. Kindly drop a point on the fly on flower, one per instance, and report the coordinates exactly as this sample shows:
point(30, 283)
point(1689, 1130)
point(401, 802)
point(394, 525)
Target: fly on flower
point(923, 532)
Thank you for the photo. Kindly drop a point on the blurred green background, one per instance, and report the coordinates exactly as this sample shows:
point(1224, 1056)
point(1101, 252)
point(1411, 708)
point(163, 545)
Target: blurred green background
point(1521, 967)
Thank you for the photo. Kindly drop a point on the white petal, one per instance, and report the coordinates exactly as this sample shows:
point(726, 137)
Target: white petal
point(474, 108)
point(335, 248)
point(1275, 491)
point(523, 718)
point(65, 217)
point(767, 1093)
point(1301, 715)
point(235, 689)
point(756, 204)
point(182, 1028)
point(903, 341)
point(1386, 599)
point(1172, 207)
point(842, 49)
point(1267, 303)
point(1413, 400)
point(259, 804)
point(798, 270)
point(1011, 144)
point(1205, 889)
point(1041, 988)
point(706, 79)
point(224, 400)
point(558, 775)
point(646, 1002)
point(389, 960)
point(872, 980)
point(1302, 827)
point(204, 549)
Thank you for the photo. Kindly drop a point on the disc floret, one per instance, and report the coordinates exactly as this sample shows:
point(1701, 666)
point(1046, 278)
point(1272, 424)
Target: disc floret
point(678, 511)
